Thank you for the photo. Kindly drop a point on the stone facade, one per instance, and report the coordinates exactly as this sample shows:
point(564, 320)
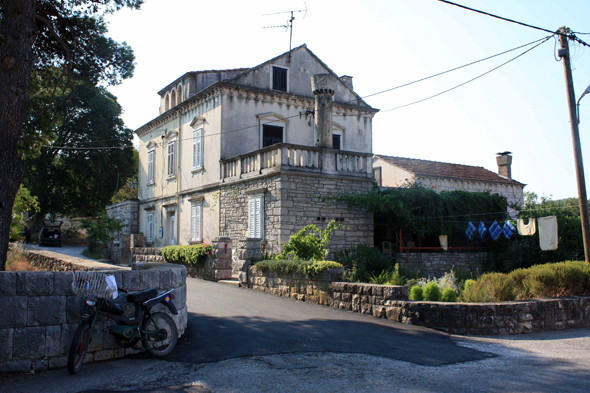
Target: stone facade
point(40, 313)
point(437, 264)
point(293, 201)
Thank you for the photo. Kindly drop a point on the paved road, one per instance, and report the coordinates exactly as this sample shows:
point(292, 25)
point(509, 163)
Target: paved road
point(246, 341)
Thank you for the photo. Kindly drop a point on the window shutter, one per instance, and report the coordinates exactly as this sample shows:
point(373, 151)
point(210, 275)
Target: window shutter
point(199, 148)
point(196, 223)
point(150, 227)
point(255, 219)
point(195, 161)
point(150, 166)
point(252, 218)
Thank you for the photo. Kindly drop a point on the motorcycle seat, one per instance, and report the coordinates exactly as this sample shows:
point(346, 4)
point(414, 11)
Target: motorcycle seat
point(142, 296)
point(112, 307)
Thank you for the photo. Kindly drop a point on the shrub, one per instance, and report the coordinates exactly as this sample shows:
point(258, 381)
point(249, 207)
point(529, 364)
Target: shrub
point(309, 268)
point(389, 277)
point(416, 293)
point(101, 231)
point(362, 262)
point(432, 292)
point(490, 287)
point(194, 255)
point(310, 243)
point(552, 279)
point(449, 295)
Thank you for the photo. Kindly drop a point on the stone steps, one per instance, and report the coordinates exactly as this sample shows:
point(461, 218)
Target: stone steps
point(148, 258)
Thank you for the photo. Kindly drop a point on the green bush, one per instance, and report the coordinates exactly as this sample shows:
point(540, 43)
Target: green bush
point(449, 295)
point(309, 268)
point(490, 287)
point(362, 262)
point(416, 293)
point(194, 255)
point(432, 292)
point(389, 277)
point(310, 243)
point(101, 231)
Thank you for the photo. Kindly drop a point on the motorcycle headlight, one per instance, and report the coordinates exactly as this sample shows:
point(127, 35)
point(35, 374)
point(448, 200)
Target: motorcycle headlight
point(91, 301)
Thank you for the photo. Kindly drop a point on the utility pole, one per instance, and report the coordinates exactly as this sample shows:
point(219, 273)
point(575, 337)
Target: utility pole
point(571, 99)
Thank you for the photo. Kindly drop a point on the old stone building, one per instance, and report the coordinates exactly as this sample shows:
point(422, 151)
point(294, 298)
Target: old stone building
point(249, 153)
point(442, 176)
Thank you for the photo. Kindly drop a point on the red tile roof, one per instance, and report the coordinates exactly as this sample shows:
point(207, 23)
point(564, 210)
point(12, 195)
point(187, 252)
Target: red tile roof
point(425, 168)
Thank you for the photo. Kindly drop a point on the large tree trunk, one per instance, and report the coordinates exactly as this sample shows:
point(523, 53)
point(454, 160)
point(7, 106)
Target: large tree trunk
point(17, 36)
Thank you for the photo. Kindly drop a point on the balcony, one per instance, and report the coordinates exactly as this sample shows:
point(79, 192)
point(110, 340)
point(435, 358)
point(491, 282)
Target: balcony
point(297, 158)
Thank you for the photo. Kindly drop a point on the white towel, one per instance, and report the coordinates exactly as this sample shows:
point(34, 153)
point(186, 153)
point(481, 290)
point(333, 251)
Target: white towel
point(444, 242)
point(548, 233)
point(527, 229)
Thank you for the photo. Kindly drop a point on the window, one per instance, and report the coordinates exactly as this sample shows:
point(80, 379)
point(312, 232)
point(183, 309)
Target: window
point(198, 149)
point(279, 78)
point(378, 176)
point(151, 166)
point(271, 135)
point(256, 216)
point(196, 223)
point(337, 141)
point(171, 159)
point(150, 227)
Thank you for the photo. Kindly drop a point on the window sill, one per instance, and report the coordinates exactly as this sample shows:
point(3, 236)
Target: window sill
point(173, 177)
point(195, 242)
point(198, 170)
point(151, 184)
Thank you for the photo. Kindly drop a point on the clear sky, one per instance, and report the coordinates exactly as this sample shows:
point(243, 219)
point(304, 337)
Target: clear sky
point(520, 107)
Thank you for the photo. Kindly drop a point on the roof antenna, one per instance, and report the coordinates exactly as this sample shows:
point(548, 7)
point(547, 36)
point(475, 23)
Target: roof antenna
point(289, 25)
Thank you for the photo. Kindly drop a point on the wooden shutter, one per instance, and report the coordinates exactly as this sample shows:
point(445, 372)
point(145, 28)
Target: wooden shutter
point(151, 160)
point(256, 217)
point(196, 222)
point(150, 227)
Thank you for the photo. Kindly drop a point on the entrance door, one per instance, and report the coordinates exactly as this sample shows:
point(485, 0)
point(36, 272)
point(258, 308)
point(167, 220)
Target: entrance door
point(171, 228)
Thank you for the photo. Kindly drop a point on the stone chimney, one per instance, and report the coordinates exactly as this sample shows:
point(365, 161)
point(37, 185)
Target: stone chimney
point(347, 80)
point(504, 161)
point(322, 86)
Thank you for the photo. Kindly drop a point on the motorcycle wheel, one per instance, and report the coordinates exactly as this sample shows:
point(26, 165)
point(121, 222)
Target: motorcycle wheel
point(159, 345)
point(78, 348)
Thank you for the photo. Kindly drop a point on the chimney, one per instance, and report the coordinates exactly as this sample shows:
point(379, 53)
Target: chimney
point(347, 80)
point(504, 161)
point(322, 86)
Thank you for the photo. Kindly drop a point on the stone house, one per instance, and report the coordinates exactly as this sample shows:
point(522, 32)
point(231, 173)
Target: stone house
point(441, 176)
point(250, 152)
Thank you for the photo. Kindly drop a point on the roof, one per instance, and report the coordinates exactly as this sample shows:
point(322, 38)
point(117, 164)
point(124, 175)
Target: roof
point(175, 82)
point(425, 168)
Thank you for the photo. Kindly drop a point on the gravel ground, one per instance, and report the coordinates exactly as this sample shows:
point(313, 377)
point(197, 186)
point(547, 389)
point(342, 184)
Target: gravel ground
point(542, 362)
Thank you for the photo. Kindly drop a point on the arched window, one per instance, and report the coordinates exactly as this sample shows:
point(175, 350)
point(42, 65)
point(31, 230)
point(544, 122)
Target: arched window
point(167, 103)
point(173, 99)
point(179, 94)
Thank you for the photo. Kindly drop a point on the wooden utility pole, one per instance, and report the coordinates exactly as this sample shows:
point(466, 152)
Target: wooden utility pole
point(571, 99)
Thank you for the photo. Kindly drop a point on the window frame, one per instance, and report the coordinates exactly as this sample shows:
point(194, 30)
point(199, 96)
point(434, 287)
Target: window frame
point(272, 78)
point(268, 126)
point(253, 198)
point(151, 169)
point(171, 159)
point(196, 222)
point(149, 227)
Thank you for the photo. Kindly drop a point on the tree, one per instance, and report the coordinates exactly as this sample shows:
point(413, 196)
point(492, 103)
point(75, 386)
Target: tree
point(129, 189)
point(74, 175)
point(23, 202)
point(68, 34)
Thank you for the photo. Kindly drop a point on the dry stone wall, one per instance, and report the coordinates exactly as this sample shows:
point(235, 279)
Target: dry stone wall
point(40, 313)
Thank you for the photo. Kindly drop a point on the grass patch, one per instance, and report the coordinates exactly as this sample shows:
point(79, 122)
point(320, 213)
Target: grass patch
point(17, 260)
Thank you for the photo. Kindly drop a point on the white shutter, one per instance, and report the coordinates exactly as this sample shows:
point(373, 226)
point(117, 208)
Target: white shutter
point(195, 162)
point(256, 217)
point(171, 154)
point(150, 227)
point(151, 155)
point(196, 223)
point(199, 148)
point(252, 218)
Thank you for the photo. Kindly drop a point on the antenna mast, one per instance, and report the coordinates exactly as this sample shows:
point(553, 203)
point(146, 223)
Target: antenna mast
point(289, 25)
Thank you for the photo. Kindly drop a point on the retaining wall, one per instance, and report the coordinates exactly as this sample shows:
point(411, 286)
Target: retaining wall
point(40, 311)
point(436, 264)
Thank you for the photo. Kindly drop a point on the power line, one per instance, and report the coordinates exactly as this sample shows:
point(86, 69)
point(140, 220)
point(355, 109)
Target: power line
point(471, 80)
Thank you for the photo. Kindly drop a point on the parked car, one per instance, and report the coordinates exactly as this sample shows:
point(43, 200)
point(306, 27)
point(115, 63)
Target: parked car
point(51, 233)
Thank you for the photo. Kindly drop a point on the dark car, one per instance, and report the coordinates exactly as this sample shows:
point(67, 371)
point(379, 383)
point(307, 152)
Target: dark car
point(51, 233)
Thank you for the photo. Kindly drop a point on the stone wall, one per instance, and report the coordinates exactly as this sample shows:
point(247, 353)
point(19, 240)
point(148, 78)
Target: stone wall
point(40, 313)
point(293, 201)
point(436, 264)
point(128, 212)
point(493, 318)
point(327, 289)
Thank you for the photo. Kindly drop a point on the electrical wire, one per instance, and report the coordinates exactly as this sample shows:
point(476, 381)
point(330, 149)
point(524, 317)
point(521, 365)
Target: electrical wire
point(469, 81)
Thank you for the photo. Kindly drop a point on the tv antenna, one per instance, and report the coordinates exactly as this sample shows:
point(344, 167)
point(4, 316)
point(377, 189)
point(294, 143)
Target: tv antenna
point(289, 25)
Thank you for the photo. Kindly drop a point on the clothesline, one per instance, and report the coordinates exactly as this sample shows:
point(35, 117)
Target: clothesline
point(496, 213)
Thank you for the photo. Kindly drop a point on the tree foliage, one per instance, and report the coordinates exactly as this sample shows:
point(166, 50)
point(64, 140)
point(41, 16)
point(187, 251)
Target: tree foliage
point(38, 34)
point(24, 202)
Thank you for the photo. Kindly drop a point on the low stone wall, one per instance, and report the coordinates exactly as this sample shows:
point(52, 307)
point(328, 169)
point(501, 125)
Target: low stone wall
point(326, 289)
point(493, 318)
point(436, 264)
point(40, 312)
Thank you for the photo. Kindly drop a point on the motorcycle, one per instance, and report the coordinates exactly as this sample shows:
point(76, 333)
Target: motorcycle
point(157, 332)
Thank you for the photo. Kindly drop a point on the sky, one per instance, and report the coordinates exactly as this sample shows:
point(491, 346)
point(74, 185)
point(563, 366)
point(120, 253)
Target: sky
point(520, 107)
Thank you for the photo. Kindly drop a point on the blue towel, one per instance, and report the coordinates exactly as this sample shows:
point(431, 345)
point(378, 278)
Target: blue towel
point(482, 230)
point(495, 230)
point(470, 230)
point(508, 229)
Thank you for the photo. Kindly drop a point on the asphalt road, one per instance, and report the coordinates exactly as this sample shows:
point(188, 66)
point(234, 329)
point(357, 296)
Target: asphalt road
point(245, 341)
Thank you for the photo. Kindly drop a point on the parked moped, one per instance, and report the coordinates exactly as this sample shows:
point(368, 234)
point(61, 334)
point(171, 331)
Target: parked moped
point(157, 332)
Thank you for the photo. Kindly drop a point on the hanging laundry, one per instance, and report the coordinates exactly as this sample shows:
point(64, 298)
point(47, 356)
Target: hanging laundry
point(470, 230)
point(444, 242)
point(527, 229)
point(495, 230)
point(508, 229)
point(548, 239)
point(482, 230)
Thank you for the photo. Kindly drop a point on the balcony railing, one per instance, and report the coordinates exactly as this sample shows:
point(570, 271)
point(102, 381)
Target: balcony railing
point(283, 156)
